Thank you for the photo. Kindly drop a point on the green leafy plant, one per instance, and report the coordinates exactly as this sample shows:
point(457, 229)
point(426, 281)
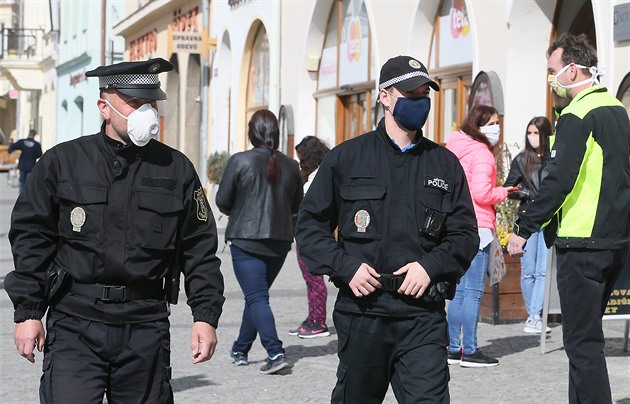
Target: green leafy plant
point(216, 165)
point(507, 211)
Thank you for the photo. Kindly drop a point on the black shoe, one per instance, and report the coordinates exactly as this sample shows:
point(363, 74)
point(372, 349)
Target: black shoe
point(274, 365)
point(239, 358)
point(478, 360)
point(454, 358)
point(296, 331)
point(313, 330)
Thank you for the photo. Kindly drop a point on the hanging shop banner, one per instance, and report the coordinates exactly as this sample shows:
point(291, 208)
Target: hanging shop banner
point(184, 33)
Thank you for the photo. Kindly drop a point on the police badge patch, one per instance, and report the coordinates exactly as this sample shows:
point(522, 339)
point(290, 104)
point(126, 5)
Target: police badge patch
point(202, 208)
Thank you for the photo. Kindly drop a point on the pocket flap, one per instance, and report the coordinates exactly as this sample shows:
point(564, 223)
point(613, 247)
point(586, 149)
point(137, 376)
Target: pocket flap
point(362, 192)
point(82, 194)
point(436, 200)
point(159, 202)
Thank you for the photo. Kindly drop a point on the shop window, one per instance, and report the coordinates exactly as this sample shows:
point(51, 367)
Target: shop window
point(345, 70)
point(451, 67)
point(258, 74)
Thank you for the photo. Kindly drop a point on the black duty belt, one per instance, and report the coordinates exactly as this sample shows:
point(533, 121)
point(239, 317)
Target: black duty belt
point(115, 293)
point(391, 283)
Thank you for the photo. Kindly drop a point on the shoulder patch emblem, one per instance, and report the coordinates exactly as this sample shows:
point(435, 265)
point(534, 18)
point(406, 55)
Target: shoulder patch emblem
point(438, 183)
point(202, 208)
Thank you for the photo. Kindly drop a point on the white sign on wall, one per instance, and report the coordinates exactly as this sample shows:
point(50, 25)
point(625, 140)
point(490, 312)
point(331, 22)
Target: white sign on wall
point(621, 22)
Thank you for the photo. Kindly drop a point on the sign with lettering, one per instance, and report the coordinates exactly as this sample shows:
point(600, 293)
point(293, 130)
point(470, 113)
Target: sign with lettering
point(143, 47)
point(619, 302)
point(621, 22)
point(184, 32)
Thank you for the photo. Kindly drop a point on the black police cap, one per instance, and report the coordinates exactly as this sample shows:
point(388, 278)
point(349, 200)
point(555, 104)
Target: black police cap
point(134, 79)
point(405, 73)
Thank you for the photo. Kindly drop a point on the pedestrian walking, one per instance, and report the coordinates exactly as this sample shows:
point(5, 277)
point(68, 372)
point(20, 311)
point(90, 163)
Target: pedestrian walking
point(406, 233)
point(586, 196)
point(260, 190)
point(30, 150)
point(311, 152)
point(104, 222)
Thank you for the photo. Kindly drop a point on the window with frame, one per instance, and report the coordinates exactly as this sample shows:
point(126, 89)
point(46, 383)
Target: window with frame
point(258, 74)
point(345, 72)
point(451, 67)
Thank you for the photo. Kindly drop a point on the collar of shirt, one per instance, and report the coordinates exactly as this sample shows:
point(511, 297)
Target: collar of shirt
point(403, 149)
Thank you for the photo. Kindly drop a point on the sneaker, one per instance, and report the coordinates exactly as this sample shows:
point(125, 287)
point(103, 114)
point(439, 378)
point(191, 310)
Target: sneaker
point(313, 330)
point(274, 365)
point(239, 358)
point(478, 360)
point(533, 325)
point(454, 358)
point(296, 331)
point(530, 326)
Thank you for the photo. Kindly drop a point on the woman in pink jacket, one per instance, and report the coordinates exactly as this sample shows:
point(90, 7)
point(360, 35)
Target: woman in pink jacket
point(472, 145)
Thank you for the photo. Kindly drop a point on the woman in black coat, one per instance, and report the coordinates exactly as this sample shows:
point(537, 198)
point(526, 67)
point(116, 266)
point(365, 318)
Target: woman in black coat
point(527, 171)
point(260, 190)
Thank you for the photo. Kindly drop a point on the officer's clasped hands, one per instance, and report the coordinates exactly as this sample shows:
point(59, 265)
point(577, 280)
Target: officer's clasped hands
point(416, 280)
point(364, 281)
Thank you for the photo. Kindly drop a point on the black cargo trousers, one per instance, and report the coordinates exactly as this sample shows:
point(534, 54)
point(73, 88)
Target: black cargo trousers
point(408, 352)
point(85, 360)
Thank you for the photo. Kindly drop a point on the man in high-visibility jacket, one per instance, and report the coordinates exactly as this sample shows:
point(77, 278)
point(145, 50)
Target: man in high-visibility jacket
point(587, 194)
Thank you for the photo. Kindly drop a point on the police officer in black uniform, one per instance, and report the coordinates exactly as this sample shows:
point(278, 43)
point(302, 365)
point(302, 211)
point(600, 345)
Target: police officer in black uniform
point(99, 237)
point(406, 234)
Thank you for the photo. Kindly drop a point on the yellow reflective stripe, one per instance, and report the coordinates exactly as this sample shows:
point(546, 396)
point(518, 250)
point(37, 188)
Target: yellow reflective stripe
point(580, 206)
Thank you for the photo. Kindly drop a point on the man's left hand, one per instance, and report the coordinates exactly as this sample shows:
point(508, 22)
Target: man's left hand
point(515, 245)
point(203, 341)
point(416, 280)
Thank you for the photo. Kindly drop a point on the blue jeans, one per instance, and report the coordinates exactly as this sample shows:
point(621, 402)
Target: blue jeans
point(255, 275)
point(533, 272)
point(23, 177)
point(463, 310)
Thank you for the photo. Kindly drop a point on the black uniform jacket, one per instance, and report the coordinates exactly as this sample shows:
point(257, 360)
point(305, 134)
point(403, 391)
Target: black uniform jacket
point(112, 214)
point(259, 211)
point(369, 180)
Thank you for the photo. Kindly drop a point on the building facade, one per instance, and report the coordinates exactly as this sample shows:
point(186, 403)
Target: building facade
point(85, 42)
point(314, 63)
point(173, 30)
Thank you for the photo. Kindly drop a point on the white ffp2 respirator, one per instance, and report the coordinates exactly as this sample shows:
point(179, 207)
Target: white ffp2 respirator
point(142, 124)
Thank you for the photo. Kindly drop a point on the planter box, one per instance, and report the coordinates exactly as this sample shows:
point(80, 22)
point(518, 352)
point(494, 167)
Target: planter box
point(503, 302)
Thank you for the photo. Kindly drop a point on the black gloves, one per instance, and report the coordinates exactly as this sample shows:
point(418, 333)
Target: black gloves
point(440, 291)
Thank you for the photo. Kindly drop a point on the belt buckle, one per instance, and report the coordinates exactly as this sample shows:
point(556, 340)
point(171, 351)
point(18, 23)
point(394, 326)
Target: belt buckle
point(112, 293)
point(387, 281)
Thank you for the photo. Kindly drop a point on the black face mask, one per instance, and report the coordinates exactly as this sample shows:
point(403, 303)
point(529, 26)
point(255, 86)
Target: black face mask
point(412, 113)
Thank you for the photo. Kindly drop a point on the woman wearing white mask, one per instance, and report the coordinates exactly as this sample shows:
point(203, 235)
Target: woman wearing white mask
point(527, 171)
point(472, 145)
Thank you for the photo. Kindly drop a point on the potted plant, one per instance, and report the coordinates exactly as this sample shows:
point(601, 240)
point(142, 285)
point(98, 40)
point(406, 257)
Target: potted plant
point(216, 165)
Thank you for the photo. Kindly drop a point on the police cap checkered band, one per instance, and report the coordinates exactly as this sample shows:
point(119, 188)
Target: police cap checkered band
point(135, 79)
point(129, 81)
point(405, 73)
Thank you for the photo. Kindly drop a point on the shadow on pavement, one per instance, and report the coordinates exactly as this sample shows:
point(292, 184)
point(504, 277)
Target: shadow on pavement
point(189, 382)
point(614, 348)
point(297, 352)
point(499, 347)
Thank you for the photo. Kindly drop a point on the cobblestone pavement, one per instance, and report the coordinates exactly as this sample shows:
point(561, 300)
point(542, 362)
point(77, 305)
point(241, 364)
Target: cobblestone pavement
point(523, 376)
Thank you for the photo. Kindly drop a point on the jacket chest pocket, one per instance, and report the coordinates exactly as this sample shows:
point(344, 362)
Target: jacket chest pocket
point(431, 215)
point(81, 210)
point(156, 219)
point(363, 208)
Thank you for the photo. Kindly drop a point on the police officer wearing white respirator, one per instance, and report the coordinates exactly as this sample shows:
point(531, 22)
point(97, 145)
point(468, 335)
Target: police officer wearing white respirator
point(99, 236)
